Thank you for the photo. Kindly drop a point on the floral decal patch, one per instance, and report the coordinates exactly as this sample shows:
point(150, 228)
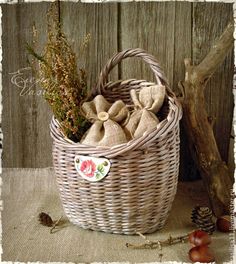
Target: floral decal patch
point(92, 169)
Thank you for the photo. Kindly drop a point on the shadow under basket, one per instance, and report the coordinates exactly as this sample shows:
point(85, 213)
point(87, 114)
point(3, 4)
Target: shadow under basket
point(137, 194)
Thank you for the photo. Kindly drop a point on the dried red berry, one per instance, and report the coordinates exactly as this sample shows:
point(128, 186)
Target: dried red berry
point(201, 254)
point(199, 238)
point(223, 223)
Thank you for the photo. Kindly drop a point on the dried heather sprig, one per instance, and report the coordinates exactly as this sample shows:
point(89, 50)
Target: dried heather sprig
point(65, 87)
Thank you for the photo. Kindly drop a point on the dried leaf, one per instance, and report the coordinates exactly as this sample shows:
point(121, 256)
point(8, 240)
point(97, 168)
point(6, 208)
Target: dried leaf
point(45, 219)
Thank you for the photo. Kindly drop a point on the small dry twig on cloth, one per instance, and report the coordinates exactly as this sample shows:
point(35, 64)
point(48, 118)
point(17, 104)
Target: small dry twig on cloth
point(159, 243)
point(56, 224)
point(46, 220)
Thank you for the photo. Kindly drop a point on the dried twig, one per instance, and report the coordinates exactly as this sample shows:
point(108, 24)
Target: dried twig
point(159, 243)
point(55, 225)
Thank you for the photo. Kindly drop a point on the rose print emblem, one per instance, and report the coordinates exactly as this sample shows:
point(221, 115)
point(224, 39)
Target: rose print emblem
point(91, 168)
point(88, 167)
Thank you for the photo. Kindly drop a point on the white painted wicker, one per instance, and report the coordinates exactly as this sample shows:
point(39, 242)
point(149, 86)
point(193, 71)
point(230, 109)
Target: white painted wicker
point(137, 194)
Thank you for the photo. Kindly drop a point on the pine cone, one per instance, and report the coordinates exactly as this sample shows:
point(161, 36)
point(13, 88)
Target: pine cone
point(202, 217)
point(45, 219)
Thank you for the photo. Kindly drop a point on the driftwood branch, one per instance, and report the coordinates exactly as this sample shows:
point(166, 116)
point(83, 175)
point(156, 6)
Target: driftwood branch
point(217, 54)
point(198, 127)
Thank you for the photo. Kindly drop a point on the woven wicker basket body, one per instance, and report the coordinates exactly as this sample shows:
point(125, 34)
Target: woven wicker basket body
point(137, 194)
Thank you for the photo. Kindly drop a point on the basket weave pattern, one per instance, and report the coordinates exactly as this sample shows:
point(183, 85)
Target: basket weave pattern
point(137, 194)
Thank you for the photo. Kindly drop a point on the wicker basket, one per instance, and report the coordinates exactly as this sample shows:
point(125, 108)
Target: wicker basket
point(137, 194)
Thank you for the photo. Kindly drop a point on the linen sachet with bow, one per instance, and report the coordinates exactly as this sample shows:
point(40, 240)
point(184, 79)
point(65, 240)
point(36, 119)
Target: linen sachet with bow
point(107, 120)
point(147, 104)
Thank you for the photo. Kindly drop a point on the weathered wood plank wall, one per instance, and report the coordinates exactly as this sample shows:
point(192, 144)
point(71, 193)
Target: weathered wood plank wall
point(221, 82)
point(25, 118)
point(169, 30)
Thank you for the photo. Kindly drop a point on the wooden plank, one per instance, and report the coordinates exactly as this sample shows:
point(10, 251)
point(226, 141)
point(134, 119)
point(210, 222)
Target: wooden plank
point(182, 50)
point(150, 26)
point(26, 118)
point(209, 21)
point(169, 40)
point(27, 142)
point(98, 20)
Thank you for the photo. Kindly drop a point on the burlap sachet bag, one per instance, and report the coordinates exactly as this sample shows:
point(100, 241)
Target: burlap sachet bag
point(107, 120)
point(147, 104)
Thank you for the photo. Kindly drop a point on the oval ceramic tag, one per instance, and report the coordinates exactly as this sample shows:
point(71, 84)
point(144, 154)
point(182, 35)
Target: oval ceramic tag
point(91, 168)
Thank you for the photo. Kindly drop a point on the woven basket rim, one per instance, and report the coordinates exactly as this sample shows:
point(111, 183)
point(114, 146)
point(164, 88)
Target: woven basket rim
point(161, 130)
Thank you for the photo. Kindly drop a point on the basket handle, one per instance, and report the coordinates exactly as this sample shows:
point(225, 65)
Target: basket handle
point(117, 58)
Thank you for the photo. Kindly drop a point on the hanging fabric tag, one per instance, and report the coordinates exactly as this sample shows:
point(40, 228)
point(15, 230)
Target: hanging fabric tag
point(90, 168)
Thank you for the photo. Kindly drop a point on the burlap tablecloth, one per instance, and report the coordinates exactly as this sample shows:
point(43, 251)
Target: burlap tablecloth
point(27, 192)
